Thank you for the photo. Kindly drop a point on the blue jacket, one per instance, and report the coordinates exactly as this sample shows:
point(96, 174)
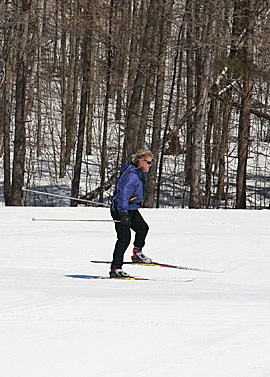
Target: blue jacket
point(129, 189)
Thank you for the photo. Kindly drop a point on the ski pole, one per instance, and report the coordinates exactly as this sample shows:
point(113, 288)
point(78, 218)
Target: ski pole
point(92, 220)
point(65, 197)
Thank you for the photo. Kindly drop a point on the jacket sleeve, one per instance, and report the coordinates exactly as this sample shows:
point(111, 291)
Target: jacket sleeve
point(125, 190)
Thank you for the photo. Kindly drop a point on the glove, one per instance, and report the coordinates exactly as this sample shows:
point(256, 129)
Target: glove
point(124, 218)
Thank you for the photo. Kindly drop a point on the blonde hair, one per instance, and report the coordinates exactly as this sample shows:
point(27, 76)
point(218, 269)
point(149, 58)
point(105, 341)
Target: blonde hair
point(141, 154)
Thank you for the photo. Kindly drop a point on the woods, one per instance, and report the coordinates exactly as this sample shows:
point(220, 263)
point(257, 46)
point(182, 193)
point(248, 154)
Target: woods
point(85, 83)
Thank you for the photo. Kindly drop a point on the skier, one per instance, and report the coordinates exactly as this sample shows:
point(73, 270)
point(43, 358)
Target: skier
point(128, 196)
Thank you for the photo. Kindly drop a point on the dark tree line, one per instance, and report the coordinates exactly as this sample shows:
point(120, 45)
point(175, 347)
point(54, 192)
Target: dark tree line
point(87, 81)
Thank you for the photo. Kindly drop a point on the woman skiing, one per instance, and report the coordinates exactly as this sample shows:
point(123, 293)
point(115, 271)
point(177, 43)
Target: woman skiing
point(128, 197)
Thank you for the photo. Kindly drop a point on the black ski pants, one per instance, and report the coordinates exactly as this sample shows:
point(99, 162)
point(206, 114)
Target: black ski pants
point(138, 225)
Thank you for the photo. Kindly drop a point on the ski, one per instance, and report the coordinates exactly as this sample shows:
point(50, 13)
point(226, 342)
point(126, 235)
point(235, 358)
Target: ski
point(98, 277)
point(157, 264)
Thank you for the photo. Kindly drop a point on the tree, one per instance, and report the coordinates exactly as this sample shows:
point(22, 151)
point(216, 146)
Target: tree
point(5, 99)
point(163, 10)
point(20, 97)
point(106, 104)
point(244, 22)
point(86, 46)
point(134, 107)
point(188, 79)
point(203, 70)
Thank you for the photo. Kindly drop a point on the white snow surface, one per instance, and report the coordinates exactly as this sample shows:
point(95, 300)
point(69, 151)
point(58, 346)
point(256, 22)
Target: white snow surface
point(57, 321)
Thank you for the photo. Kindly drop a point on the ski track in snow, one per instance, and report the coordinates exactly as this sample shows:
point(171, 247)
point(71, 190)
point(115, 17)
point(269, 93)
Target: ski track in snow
point(52, 324)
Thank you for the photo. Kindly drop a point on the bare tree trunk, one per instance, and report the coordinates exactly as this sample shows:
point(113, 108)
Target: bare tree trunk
point(162, 11)
point(248, 15)
point(56, 30)
point(106, 107)
point(195, 190)
point(19, 140)
point(63, 93)
point(220, 148)
point(208, 157)
point(83, 110)
point(5, 116)
point(6, 143)
point(147, 100)
point(91, 101)
point(133, 115)
point(203, 77)
point(138, 10)
point(243, 144)
point(225, 113)
point(168, 115)
point(39, 56)
point(75, 91)
point(70, 121)
point(2, 84)
point(190, 88)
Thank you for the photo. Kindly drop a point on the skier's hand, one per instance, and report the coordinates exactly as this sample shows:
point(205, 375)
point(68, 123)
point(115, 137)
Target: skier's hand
point(124, 218)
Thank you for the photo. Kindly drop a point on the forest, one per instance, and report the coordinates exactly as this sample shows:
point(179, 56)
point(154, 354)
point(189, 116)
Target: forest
point(84, 84)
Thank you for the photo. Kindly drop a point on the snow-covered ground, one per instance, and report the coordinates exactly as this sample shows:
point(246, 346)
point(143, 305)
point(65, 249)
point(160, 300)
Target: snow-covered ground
point(53, 324)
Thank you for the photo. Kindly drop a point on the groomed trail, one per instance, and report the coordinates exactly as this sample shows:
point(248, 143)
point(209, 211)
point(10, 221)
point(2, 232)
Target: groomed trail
point(56, 321)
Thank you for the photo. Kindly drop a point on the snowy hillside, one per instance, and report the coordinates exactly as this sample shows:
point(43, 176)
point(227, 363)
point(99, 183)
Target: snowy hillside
point(56, 321)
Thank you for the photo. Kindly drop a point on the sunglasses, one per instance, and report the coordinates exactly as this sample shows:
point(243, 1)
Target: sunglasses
point(149, 162)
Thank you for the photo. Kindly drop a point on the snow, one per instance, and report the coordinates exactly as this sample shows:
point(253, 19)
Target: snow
point(53, 324)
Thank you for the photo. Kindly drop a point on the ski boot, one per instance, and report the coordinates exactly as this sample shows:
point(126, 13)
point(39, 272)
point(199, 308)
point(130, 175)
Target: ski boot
point(139, 257)
point(118, 273)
